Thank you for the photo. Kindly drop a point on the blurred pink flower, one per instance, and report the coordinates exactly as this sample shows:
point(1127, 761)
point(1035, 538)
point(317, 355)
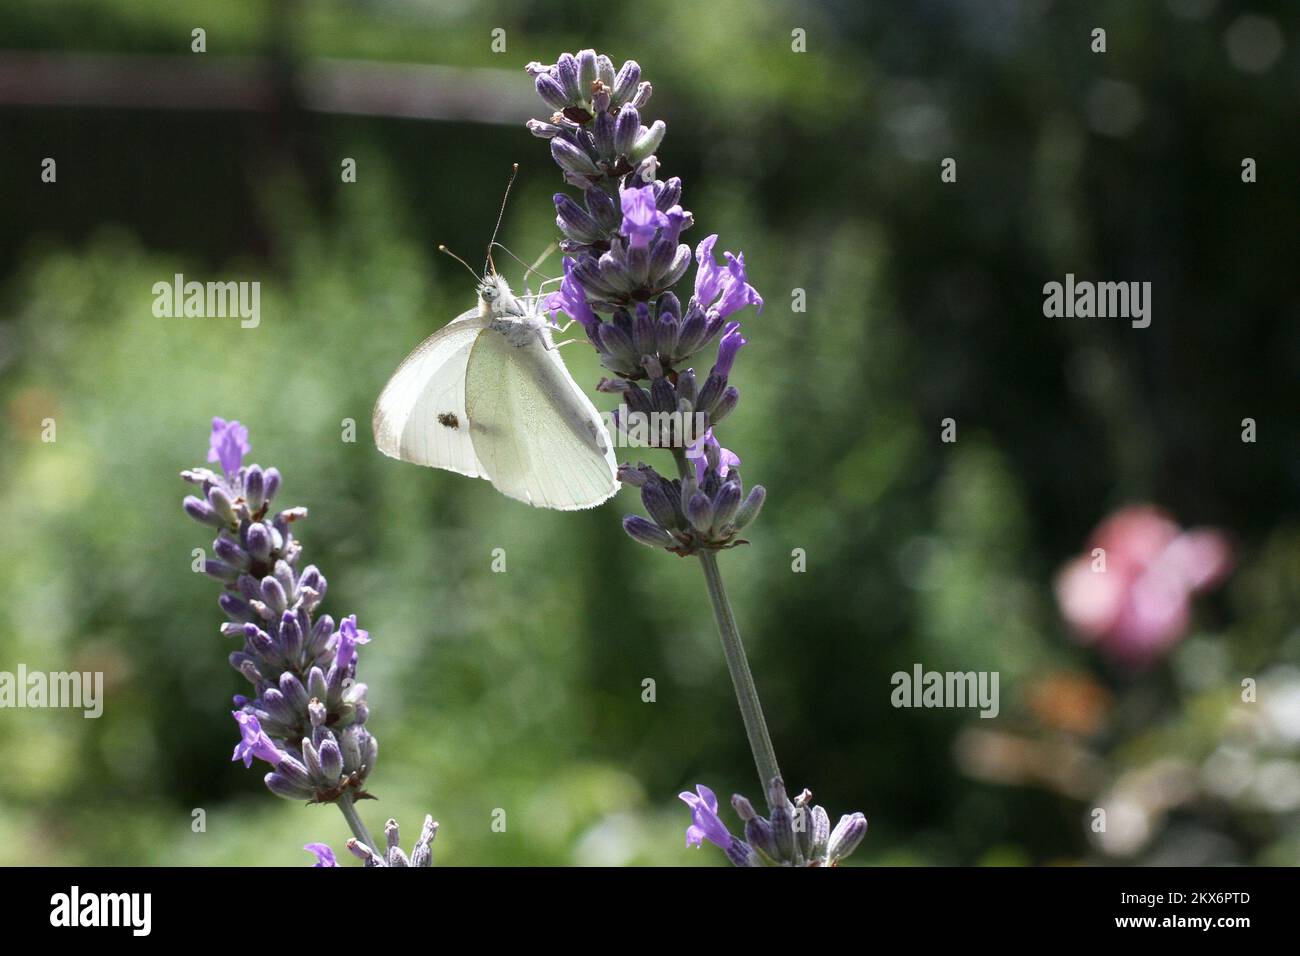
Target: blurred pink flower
point(1133, 598)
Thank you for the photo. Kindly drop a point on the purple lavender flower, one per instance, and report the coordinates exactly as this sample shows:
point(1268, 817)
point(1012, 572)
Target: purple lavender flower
point(704, 511)
point(705, 823)
point(572, 300)
point(641, 218)
point(349, 638)
point(723, 289)
point(228, 444)
point(254, 742)
point(728, 348)
point(700, 452)
point(324, 855)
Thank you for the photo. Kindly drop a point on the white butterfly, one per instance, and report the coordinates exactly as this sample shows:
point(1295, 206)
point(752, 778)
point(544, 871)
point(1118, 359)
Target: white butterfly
point(488, 396)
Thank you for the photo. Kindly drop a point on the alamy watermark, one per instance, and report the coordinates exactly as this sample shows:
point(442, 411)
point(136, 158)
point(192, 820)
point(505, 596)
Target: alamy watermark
point(39, 689)
point(946, 689)
point(208, 300)
point(75, 908)
point(635, 429)
point(1102, 300)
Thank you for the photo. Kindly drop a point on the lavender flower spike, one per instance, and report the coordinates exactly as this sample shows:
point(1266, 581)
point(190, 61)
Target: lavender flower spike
point(622, 260)
point(307, 716)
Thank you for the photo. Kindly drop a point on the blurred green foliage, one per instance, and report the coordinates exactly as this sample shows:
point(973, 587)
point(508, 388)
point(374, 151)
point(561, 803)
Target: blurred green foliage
point(522, 691)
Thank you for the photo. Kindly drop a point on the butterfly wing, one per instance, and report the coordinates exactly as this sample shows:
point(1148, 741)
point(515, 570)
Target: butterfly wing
point(420, 416)
point(534, 430)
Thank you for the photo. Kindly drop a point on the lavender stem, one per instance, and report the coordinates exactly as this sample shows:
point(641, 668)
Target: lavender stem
point(349, 811)
point(760, 742)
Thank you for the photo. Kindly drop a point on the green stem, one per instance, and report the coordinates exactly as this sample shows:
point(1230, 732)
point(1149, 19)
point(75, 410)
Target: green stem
point(349, 811)
point(751, 711)
point(741, 679)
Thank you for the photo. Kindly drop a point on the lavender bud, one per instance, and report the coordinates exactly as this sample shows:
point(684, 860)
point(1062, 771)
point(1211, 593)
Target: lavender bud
point(272, 482)
point(350, 747)
point(290, 639)
point(803, 831)
point(551, 92)
point(542, 130)
point(667, 195)
point(659, 505)
point(202, 512)
point(422, 854)
point(642, 95)
point(625, 84)
point(230, 552)
point(278, 708)
point(848, 833)
point(331, 761)
point(369, 751)
point(605, 71)
point(607, 216)
point(571, 159)
point(750, 509)
point(725, 405)
point(317, 713)
point(647, 141)
point(566, 71)
point(725, 504)
point(782, 817)
point(222, 505)
point(273, 595)
point(686, 388)
point(647, 533)
point(321, 631)
point(255, 487)
point(626, 128)
point(759, 833)
point(258, 541)
point(821, 830)
point(700, 512)
point(311, 759)
point(293, 770)
point(236, 608)
point(295, 694)
point(741, 854)
point(316, 686)
point(363, 852)
point(220, 570)
point(281, 786)
point(587, 72)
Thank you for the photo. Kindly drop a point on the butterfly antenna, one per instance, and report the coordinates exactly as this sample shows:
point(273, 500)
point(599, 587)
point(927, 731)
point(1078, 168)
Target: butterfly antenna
point(527, 267)
point(467, 266)
point(514, 171)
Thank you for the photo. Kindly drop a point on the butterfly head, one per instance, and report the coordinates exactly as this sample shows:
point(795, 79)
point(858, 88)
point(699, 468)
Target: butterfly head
point(495, 297)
